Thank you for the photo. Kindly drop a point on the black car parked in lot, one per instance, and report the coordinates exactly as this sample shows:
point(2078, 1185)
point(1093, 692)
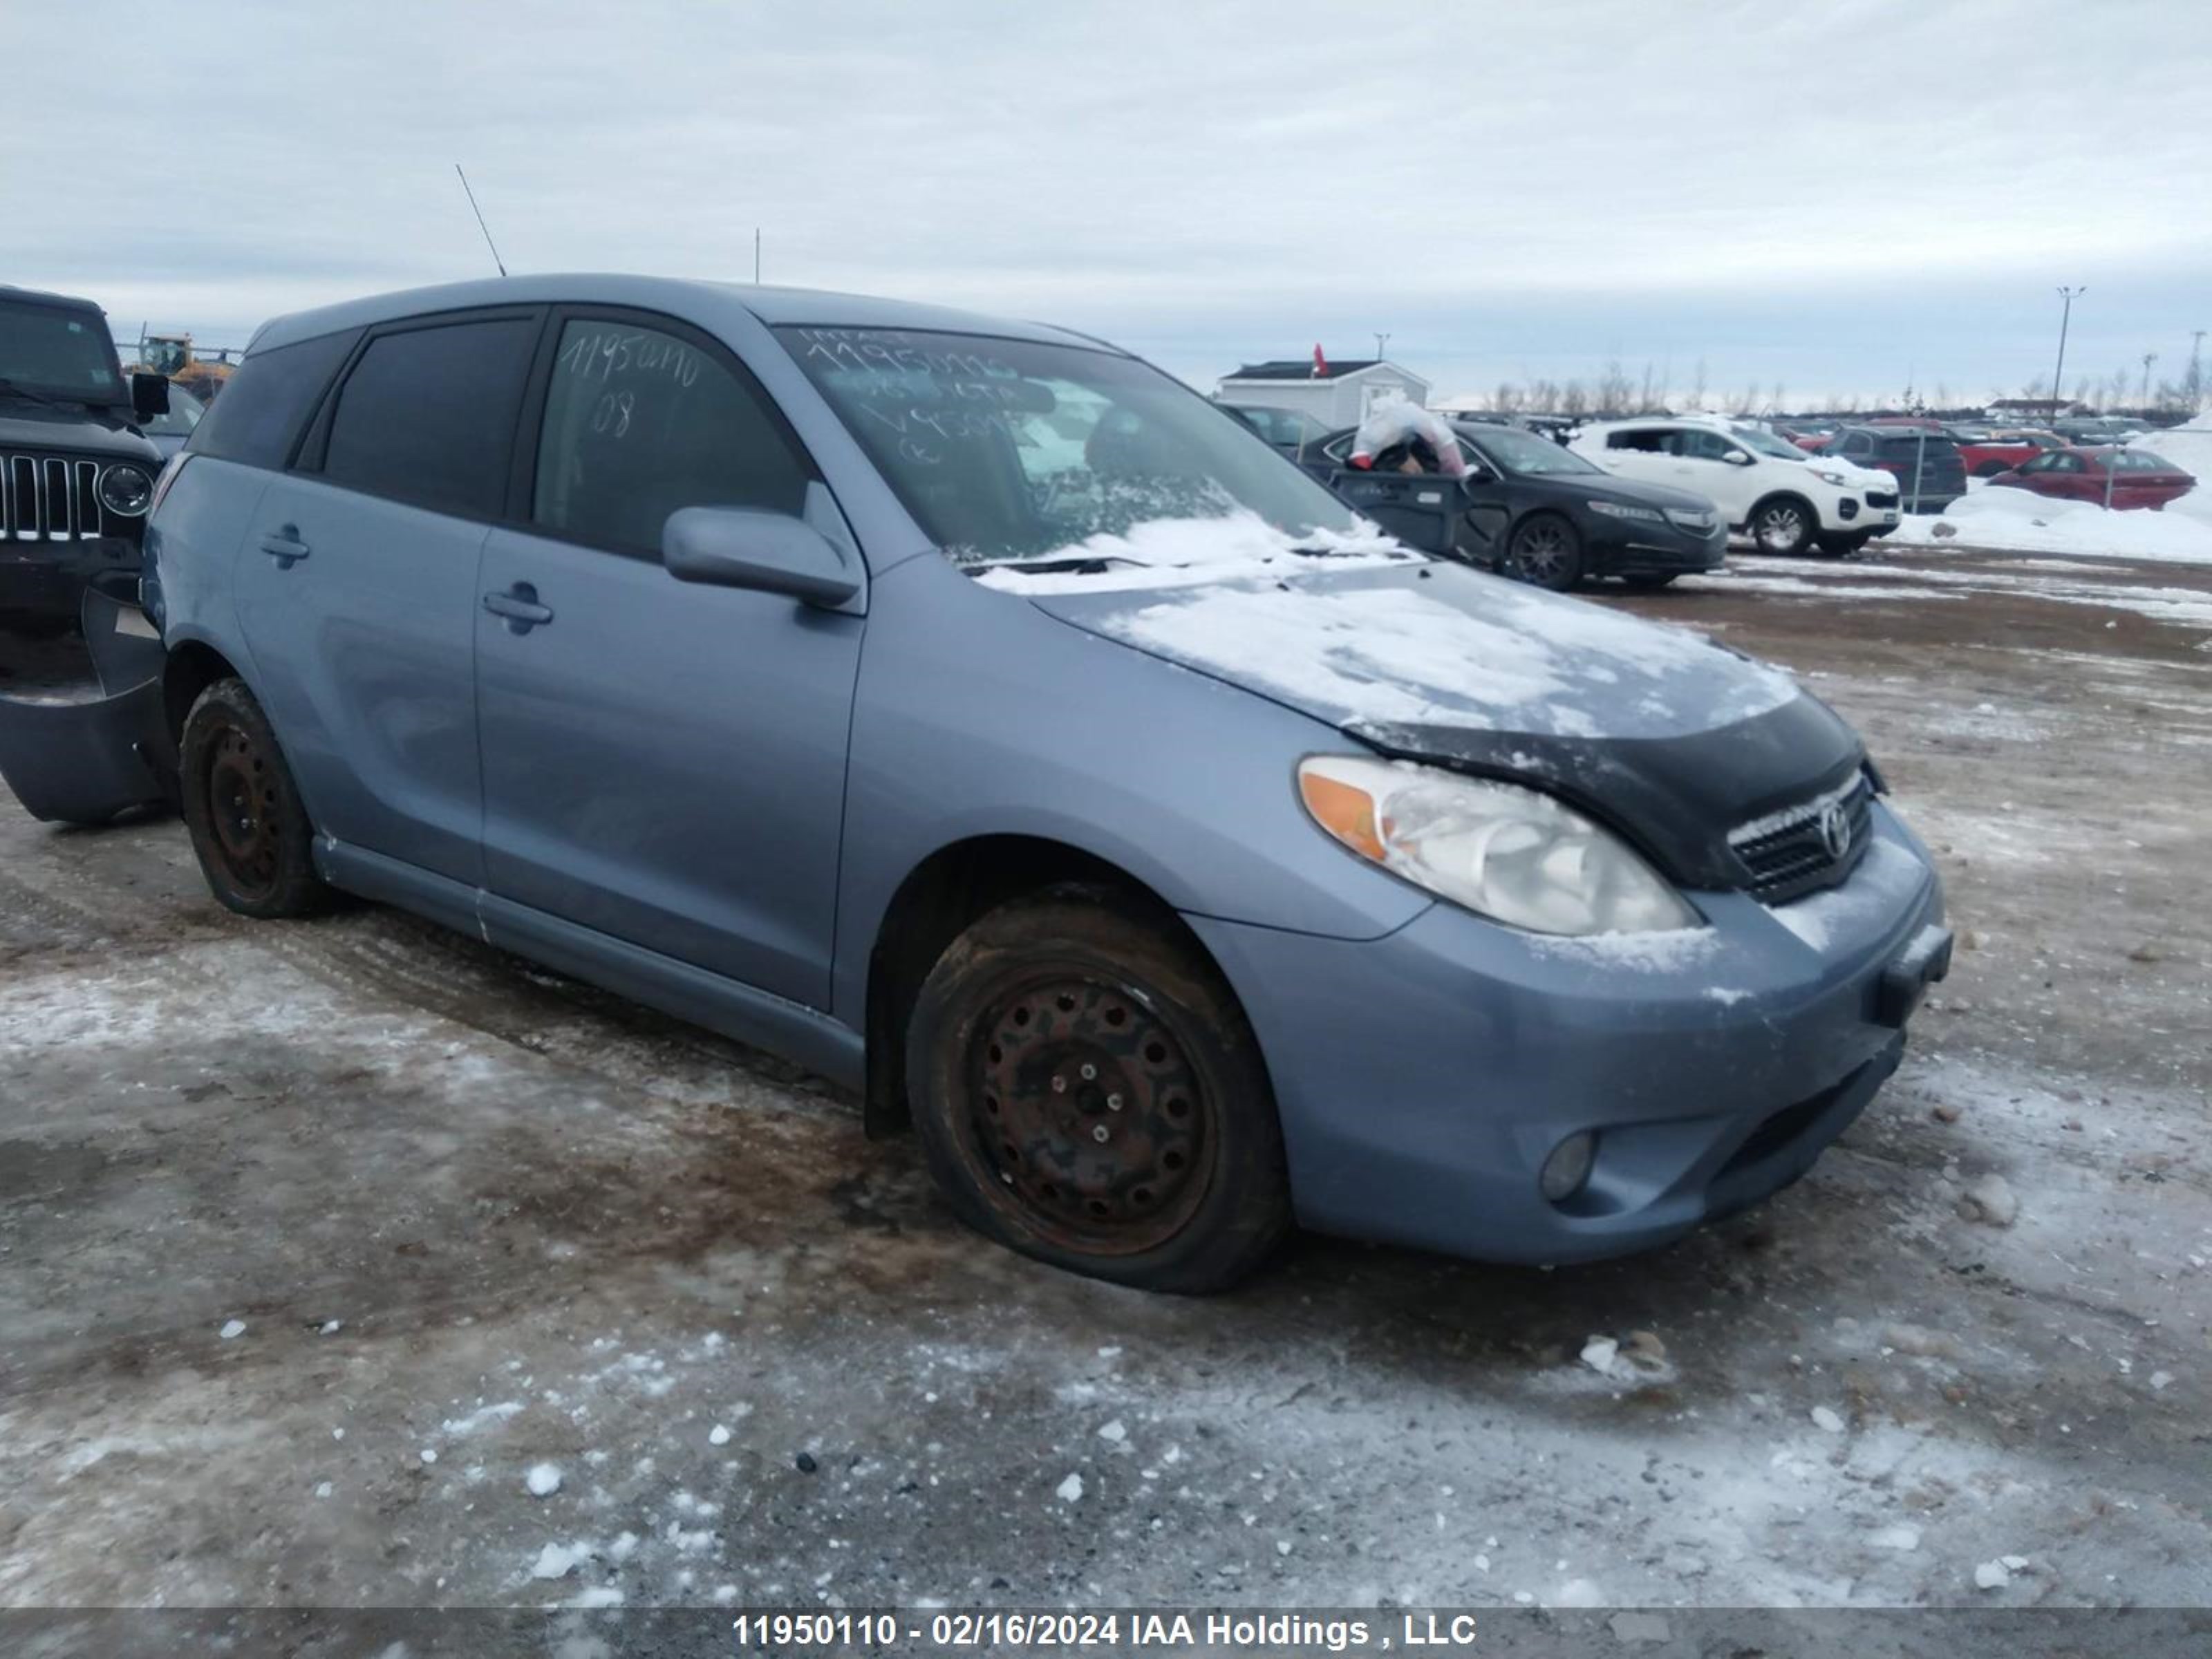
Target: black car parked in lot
point(1929, 471)
point(76, 476)
point(1537, 512)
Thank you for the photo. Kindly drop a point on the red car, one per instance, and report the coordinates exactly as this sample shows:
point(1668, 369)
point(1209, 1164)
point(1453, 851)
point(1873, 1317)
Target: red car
point(2135, 477)
point(1988, 453)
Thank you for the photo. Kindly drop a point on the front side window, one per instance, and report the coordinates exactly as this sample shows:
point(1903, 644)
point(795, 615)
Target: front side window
point(426, 416)
point(58, 351)
point(639, 423)
point(1708, 447)
point(1007, 449)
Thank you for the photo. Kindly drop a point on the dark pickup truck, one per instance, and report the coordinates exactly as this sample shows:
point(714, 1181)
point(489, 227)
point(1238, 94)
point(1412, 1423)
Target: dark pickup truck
point(76, 473)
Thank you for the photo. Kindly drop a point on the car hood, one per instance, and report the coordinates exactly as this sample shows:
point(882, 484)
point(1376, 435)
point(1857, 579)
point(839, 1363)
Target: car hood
point(1651, 728)
point(1605, 487)
point(27, 425)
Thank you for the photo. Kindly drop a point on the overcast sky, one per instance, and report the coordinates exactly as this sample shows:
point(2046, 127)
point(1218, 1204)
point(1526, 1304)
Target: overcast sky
point(1837, 196)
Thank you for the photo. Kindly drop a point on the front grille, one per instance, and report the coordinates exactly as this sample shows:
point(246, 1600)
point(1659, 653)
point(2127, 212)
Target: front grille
point(55, 498)
point(1792, 853)
point(1879, 499)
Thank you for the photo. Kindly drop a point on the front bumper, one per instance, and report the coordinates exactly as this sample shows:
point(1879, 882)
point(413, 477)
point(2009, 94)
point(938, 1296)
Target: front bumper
point(1626, 548)
point(48, 578)
point(1873, 513)
point(1423, 1079)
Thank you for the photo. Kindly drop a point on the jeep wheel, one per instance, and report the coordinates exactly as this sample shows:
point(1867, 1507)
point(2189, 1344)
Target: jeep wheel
point(1087, 1092)
point(248, 829)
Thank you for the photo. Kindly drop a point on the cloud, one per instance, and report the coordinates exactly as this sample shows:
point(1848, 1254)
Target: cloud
point(1504, 189)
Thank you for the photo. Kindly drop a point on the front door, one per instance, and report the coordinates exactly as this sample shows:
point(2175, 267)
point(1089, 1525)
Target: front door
point(662, 763)
point(356, 585)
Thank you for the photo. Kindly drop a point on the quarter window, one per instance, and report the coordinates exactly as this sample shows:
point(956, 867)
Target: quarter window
point(639, 423)
point(428, 416)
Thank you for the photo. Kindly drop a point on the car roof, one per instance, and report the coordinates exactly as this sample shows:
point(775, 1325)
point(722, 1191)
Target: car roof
point(695, 299)
point(41, 296)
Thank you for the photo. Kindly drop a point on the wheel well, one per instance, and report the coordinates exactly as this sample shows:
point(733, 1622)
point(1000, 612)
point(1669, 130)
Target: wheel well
point(935, 904)
point(191, 668)
point(1812, 512)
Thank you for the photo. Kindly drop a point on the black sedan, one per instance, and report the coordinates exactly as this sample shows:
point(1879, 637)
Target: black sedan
point(1541, 513)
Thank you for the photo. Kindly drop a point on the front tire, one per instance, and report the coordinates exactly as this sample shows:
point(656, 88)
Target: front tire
point(1545, 552)
point(1087, 1092)
point(1783, 526)
point(248, 827)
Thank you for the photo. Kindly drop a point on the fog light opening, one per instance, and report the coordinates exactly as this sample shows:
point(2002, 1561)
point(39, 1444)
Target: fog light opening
point(1567, 1167)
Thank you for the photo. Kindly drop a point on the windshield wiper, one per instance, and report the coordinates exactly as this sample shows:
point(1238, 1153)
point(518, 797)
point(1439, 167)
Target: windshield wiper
point(12, 389)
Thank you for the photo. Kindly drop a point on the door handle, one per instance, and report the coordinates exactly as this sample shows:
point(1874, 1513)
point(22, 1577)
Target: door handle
point(285, 546)
point(519, 605)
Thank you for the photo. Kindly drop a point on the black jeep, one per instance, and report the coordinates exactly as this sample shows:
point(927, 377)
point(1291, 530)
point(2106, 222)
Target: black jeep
point(76, 475)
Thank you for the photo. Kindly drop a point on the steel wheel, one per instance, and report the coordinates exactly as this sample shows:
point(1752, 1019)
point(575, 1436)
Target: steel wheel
point(1781, 527)
point(242, 802)
point(1088, 1115)
point(248, 827)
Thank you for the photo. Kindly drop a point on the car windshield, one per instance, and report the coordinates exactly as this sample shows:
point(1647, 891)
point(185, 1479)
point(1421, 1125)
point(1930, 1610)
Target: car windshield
point(185, 412)
point(1758, 439)
point(1511, 451)
point(58, 351)
point(1011, 450)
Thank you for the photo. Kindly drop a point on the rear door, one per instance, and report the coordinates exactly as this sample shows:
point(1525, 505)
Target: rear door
point(356, 584)
point(664, 762)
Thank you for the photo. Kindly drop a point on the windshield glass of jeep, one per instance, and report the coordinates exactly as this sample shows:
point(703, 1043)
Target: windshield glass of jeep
point(58, 351)
point(1006, 450)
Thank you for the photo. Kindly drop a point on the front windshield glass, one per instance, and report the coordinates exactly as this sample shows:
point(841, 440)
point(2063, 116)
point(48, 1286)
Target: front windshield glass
point(1511, 450)
point(1016, 450)
point(1758, 439)
point(59, 351)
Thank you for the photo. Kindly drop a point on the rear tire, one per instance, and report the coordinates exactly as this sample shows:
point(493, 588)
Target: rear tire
point(1783, 526)
point(1545, 552)
point(248, 827)
point(1087, 1092)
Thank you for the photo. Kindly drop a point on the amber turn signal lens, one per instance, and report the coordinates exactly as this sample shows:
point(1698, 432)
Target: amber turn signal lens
point(1345, 809)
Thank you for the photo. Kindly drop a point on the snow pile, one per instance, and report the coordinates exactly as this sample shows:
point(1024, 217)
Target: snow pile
point(2190, 448)
point(2021, 520)
point(1184, 552)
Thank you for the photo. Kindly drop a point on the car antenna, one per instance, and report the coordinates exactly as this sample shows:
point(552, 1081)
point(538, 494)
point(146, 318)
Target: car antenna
point(481, 225)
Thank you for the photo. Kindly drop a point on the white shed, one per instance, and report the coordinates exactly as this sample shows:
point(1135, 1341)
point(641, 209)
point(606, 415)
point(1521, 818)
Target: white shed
point(1340, 396)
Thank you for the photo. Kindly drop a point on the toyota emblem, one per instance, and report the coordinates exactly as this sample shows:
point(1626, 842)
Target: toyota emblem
point(1836, 831)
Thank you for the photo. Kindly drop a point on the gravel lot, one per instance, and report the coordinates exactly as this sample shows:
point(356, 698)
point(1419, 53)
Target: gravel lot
point(354, 1263)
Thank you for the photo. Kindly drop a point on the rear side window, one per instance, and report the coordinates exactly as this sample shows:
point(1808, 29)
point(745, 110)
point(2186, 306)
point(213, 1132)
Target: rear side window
point(262, 408)
point(1650, 441)
point(639, 423)
point(428, 414)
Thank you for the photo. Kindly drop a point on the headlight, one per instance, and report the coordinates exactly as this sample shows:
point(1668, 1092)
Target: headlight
point(1689, 518)
point(1505, 851)
point(1622, 510)
point(1829, 477)
point(125, 490)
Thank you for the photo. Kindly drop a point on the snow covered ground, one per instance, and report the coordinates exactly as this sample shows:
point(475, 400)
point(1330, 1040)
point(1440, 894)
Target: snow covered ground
point(352, 1263)
point(2020, 520)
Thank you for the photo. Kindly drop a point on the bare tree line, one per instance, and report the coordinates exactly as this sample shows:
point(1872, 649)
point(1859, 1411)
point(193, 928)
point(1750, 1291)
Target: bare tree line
point(1613, 392)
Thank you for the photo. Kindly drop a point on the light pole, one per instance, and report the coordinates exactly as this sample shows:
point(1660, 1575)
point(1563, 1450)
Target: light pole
point(2149, 357)
point(1381, 340)
point(2058, 374)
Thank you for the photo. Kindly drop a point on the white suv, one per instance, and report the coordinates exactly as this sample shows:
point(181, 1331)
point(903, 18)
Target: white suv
point(1765, 486)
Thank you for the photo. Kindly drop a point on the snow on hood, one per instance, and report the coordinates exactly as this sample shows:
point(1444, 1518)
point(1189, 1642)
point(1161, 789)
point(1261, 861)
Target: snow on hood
point(1394, 646)
point(1185, 552)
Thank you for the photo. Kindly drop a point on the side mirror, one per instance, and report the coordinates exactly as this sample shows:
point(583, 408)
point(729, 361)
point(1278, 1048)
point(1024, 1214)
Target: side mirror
point(767, 552)
point(149, 395)
point(1736, 458)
